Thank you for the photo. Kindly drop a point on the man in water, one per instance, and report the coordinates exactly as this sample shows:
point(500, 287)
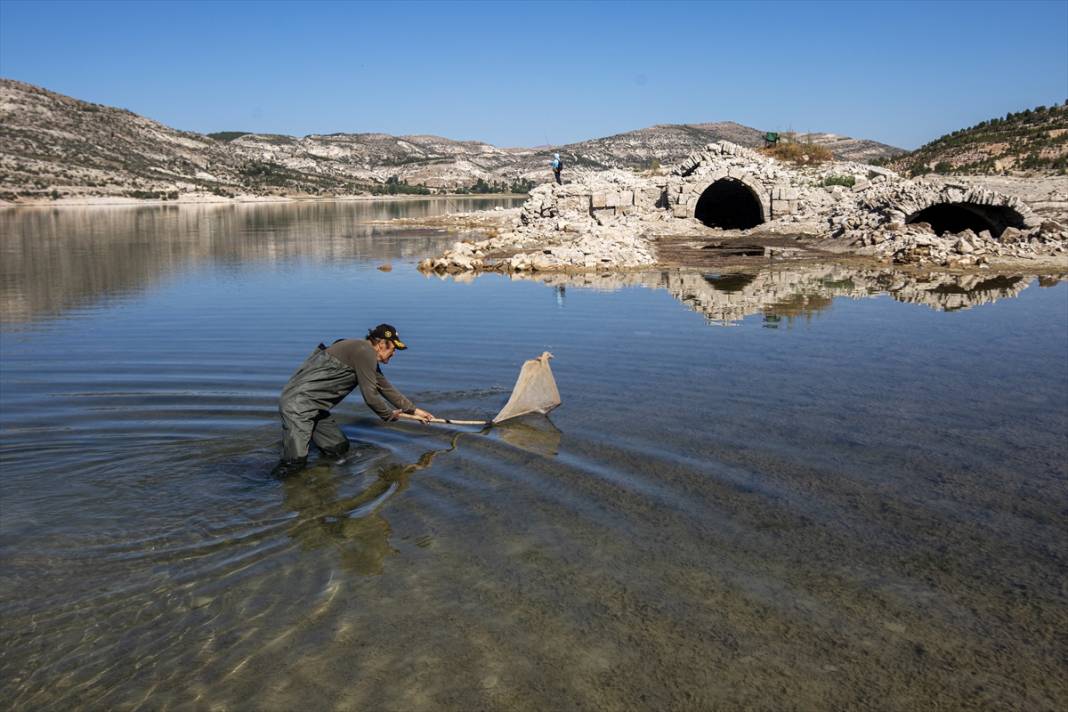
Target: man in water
point(323, 381)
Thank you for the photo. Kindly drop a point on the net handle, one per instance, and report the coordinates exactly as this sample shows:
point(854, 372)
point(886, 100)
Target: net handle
point(445, 421)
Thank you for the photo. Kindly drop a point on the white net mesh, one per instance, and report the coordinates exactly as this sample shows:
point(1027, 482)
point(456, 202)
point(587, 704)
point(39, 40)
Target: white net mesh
point(534, 392)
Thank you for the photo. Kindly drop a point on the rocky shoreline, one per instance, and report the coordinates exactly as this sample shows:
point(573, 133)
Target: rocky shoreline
point(618, 220)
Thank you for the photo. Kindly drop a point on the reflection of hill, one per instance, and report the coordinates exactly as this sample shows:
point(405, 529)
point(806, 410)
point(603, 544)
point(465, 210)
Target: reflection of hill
point(802, 291)
point(55, 259)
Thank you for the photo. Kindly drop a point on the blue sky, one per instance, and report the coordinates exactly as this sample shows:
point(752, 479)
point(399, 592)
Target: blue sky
point(524, 74)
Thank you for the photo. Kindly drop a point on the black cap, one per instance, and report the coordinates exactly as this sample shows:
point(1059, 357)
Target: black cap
point(385, 331)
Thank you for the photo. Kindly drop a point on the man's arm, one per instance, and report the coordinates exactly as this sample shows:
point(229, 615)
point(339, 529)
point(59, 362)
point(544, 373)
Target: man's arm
point(392, 394)
point(397, 398)
point(367, 376)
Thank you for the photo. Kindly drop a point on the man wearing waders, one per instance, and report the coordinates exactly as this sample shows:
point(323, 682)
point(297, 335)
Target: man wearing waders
point(558, 166)
point(323, 380)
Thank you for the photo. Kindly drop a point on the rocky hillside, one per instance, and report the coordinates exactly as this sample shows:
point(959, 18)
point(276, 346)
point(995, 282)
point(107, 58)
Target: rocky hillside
point(54, 146)
point(1033, 141)
point(844, 148)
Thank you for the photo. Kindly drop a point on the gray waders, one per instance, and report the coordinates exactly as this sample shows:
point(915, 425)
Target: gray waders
point(319, 384)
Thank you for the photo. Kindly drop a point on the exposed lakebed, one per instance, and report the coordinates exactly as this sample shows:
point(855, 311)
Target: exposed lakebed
point(854, 496)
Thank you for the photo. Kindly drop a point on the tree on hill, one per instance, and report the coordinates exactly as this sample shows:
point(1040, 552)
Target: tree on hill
point(1034, 139)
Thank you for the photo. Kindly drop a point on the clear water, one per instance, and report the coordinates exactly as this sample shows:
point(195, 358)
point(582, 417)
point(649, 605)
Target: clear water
point(852, 497)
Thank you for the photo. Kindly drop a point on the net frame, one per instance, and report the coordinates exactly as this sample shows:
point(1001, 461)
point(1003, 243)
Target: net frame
point(534, 391)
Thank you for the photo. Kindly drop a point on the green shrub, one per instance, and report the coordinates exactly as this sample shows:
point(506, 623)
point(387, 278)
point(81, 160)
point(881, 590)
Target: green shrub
point(394, 186)
point(227, 136)
point(847, 181)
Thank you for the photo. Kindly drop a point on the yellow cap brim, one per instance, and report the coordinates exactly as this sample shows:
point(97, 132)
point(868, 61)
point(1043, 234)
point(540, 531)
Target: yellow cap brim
point(399, 344)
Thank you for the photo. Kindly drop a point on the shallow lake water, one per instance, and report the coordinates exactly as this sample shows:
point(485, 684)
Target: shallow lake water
point(800, 488)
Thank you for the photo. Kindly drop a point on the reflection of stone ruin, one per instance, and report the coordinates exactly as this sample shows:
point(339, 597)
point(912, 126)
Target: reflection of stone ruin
point(801, 291)
point(612, 218)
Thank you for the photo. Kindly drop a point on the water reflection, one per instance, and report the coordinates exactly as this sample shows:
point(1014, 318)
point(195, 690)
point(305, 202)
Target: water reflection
point(54, 259)
point(354, 525)
point(535, 434)
point(781, 295)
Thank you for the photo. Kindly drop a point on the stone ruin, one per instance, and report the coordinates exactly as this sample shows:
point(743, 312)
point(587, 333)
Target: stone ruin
point(610, 219)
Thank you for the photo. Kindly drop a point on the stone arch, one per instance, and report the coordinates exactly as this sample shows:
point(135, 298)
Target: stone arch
point(732, 202)
point(949, 217)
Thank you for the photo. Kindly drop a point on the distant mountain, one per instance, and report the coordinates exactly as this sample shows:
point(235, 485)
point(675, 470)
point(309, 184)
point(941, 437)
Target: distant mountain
point(1030, 141)
point(852, 149)
point(52, 145)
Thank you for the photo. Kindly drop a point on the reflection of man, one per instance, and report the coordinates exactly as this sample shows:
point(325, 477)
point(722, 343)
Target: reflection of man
point(353, 524)
point(323, 380)
point(327, 519)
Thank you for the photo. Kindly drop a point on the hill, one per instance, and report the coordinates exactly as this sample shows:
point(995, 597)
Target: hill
point(54, 146)
point(1032, 141)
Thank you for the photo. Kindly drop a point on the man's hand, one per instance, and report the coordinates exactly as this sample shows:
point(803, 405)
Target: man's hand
point(423, 415)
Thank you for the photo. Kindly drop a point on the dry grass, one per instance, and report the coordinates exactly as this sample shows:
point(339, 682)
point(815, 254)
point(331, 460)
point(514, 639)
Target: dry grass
point(801, 153)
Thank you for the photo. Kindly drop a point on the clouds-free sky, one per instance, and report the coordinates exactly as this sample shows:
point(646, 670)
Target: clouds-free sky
point(524, 74)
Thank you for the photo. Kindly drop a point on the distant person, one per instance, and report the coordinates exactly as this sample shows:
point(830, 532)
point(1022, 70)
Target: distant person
point(323, 380)
point(558, 166)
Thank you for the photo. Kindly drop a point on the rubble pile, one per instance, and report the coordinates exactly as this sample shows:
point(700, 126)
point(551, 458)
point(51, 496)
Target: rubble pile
point(592, 223)
point(917, 244)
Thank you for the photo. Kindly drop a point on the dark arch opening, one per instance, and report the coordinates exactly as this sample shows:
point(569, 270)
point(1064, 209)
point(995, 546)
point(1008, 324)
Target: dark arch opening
point(734, 282)
point(729, 204)
point(956, 217)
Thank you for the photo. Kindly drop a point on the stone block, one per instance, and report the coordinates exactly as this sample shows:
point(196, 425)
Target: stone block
point(626, 197)
point(611, 200)
point(598, 201)
point(1011, 234)
point(680, 211)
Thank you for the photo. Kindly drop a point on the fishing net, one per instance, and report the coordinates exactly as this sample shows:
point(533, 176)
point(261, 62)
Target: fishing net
point(534, 392)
